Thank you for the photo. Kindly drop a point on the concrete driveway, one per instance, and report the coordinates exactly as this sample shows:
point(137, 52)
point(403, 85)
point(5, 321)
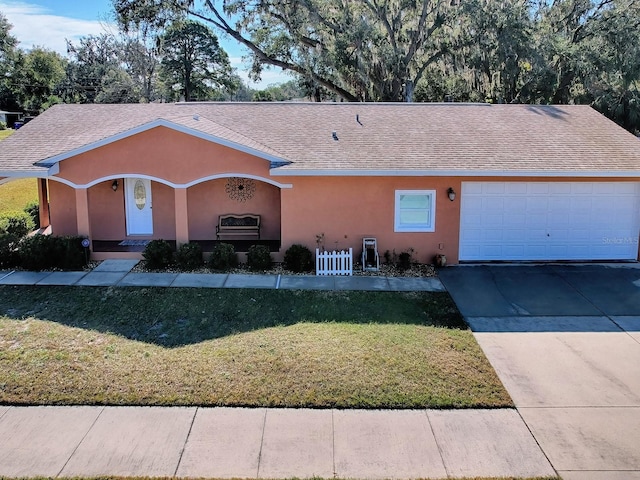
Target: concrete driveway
point(565, 341)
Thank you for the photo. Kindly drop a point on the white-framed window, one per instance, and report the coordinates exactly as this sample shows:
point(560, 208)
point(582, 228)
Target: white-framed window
point(415, 211)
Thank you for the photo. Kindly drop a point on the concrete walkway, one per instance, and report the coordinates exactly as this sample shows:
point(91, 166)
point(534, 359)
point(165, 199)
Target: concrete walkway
point(258, 443)
point(118, 273)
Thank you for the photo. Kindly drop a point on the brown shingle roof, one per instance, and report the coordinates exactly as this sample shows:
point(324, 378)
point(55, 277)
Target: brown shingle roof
point(465, 139)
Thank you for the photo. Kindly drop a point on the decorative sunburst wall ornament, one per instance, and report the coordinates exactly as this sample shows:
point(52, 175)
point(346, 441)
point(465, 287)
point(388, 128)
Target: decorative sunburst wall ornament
point(240, 189)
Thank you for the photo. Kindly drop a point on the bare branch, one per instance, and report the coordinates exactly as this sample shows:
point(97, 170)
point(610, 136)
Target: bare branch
point(265, 58)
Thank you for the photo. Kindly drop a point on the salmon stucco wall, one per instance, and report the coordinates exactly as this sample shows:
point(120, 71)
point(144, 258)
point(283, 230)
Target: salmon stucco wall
point(346, 209)
point(106, 208)
point(62, 209)
point(108, 217)
point(161, 153)
point(164, 211)
point(208, 200)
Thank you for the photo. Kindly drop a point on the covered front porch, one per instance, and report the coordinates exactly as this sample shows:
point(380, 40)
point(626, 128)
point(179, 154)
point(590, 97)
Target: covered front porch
point(120, 215)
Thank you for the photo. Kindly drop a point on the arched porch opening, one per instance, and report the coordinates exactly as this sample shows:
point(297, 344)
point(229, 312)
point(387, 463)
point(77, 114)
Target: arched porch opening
point(234, 195)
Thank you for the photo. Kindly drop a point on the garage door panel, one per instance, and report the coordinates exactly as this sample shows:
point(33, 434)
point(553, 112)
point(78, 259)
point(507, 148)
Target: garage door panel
point(513, 250)
point(537, 204)
point(581, 235)
point(494, 188)
point(493, 203)
point(561, 235)
point(560, 187)
point(516, 187)
point(550, 220)
point(515, 220)
point(492, 220)
point(557, 203)
point(559, 251)
point(536, 219)
point(584, 188)
point(516, 205)
point(535, 252)
point(471, 188)
point(538, 188)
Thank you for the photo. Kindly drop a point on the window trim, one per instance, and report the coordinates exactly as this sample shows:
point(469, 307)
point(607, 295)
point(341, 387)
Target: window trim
point(398, 227)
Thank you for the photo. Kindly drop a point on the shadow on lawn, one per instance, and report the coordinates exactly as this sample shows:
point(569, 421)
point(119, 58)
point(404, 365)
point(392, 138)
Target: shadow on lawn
point(175, 317)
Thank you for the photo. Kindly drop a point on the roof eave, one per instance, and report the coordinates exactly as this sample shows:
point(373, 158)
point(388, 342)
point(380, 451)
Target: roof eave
point(41, 173)
point(453, 173)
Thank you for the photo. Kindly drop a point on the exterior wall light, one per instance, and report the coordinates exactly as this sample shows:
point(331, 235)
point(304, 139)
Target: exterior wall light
point(114, 185)
point(451, 193)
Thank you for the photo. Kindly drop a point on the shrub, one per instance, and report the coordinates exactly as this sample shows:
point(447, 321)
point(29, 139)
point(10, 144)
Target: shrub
point(223, 257)
point(189, 256)
point(39, 252)
point(74, 255)
point(9, 257)
point(16, 223)
point(46, 252)
point(158, 254)
point(259, 257)
point(33, 210)
point(298, 258)
point(405, 259)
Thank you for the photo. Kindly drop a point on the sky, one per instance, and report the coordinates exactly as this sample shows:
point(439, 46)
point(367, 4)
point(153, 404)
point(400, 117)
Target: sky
point(48, 23)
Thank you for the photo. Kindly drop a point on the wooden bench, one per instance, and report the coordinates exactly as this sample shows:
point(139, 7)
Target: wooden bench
point(232, 224)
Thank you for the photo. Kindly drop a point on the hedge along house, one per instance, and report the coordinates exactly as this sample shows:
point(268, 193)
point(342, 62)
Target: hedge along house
point(475, 182)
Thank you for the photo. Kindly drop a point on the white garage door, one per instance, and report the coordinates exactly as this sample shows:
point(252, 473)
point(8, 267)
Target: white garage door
point(549, 221)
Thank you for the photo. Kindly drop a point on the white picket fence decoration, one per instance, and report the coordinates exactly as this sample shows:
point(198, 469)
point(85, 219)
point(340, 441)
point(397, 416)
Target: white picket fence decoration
point(334, 263)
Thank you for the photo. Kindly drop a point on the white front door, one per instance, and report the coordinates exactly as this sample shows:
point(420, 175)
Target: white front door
point(138, 206)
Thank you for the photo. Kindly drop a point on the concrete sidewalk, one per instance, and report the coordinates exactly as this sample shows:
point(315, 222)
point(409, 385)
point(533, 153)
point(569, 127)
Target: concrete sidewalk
point(118, 273)
point(266, 443)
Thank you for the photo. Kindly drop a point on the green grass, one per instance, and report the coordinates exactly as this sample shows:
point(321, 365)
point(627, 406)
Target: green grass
point(17, 194)
point(152, 346)
point(5, 133)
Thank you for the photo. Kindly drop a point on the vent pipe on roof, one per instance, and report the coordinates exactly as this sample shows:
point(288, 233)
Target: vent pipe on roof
point(334, 135)
point(196, 117)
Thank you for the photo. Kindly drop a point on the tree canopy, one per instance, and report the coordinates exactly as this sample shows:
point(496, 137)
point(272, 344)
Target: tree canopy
point(529, 51)
point(193, 62)
point(502, 51)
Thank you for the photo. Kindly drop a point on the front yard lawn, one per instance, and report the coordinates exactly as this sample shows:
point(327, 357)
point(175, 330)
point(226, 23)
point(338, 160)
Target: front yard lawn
point(17, 194)
point(158, 346)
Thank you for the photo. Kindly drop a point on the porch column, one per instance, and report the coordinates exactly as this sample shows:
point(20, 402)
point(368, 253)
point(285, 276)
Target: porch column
point(43, 197)
point(82, 212)
point(182, 216)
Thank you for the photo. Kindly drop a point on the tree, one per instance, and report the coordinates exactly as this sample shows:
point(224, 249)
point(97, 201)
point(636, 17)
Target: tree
point(193, 61)
point(498, 51)
point(95, 57)
point(141, 43)
point(280, 92)
point(9, 54)
point(358, 49)
point(141, 63)
point(41, 73)
point(613, 84)
point(117, 86)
